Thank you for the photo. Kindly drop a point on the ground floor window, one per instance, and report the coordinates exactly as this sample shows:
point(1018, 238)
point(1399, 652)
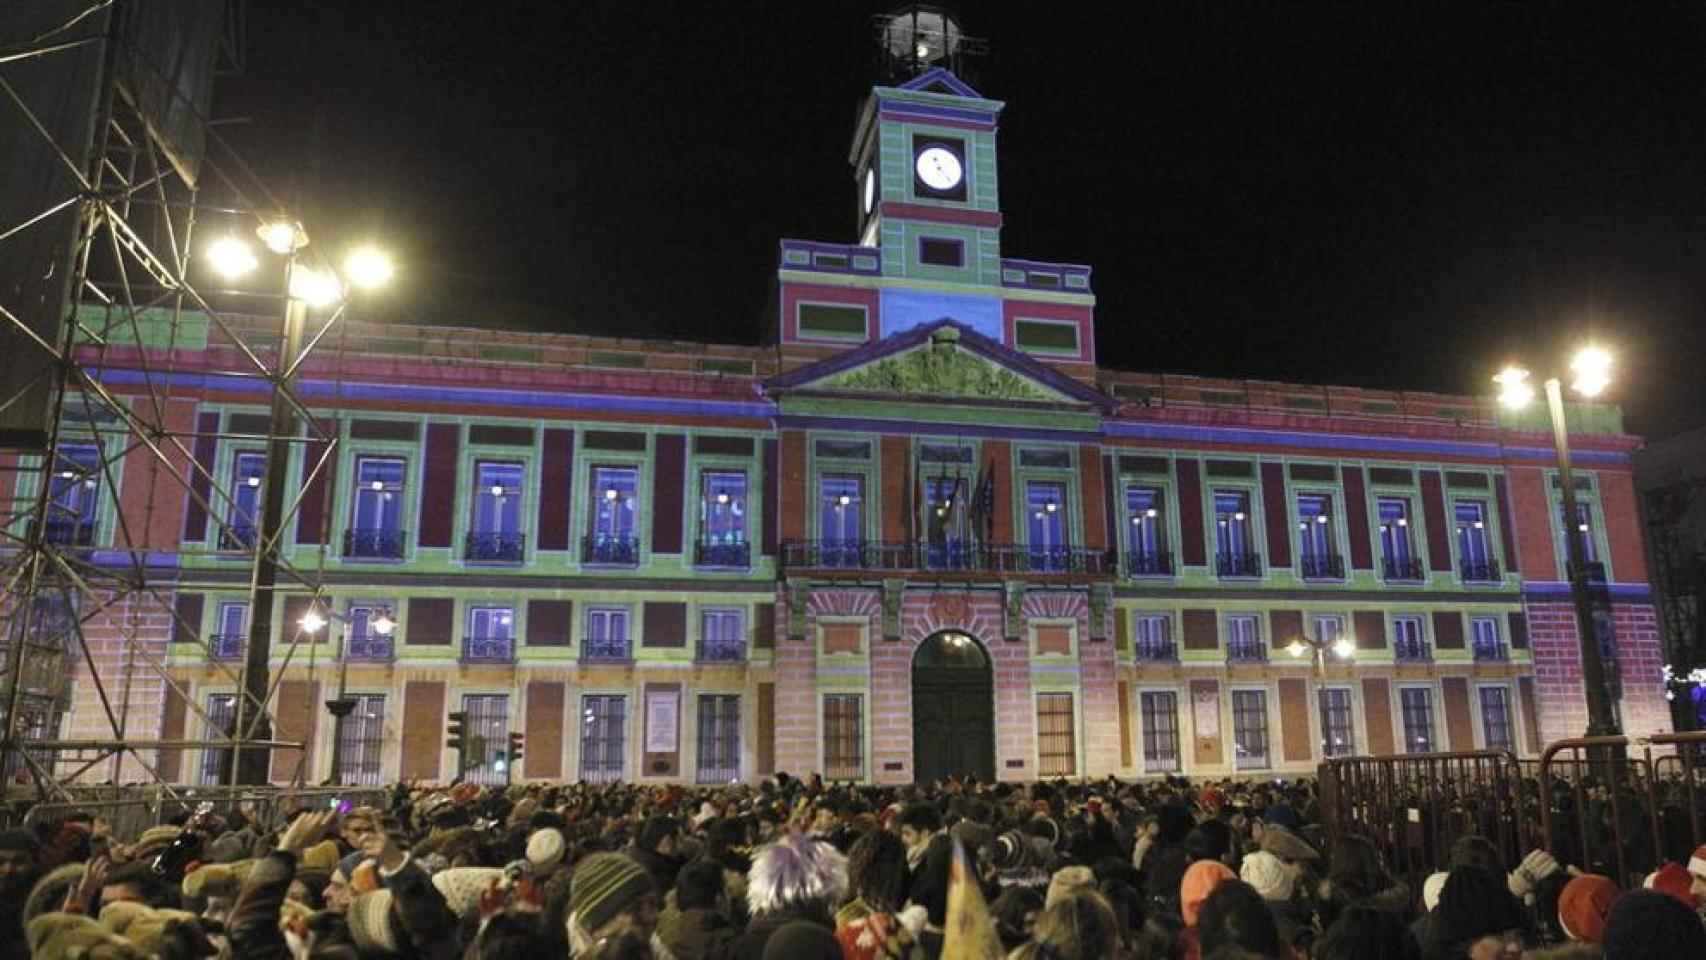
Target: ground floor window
point(1496, 718)
point(487, 732)
point(221, 721)
point(363, 741)
point(844, 736)
point(1250, 729)
point(604, 726)
point(1160, 712)
point(1057, 742)
point(719, 738)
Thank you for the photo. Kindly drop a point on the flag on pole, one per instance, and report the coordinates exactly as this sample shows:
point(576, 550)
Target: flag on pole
point(969, 931)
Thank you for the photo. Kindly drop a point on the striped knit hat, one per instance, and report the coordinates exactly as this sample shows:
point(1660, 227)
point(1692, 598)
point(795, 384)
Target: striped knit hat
point(603, 885)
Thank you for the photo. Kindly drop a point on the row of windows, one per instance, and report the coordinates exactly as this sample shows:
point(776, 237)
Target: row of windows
point(491, 632)
point(603, 736)
point(1152, 637)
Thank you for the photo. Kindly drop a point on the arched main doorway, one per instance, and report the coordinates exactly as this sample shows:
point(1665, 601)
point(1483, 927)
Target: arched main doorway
point(953, 709)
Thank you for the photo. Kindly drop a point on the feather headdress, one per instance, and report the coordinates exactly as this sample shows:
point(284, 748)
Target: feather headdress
point(795, 871)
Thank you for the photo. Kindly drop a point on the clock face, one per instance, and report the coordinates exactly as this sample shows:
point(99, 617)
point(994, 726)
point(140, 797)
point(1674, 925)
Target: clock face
point(870, 189)
point(939, 168)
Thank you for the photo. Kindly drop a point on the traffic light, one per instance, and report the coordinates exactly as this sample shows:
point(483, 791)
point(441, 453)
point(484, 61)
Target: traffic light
point(517, 741)
point(458, 737)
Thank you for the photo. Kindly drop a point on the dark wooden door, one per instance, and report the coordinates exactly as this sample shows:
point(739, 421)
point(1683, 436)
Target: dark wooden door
point(953, 713)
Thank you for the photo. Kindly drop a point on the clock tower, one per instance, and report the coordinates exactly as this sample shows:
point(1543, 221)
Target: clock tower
point(928, 211)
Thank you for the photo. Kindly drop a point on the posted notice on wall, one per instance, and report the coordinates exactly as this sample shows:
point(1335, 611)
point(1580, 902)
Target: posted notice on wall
point(662, 721)
point(1205, 710)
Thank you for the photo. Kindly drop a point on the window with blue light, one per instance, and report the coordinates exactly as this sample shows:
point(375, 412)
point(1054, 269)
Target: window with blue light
point(378, 494)
point(1396, 543)
point(1583, 530)
point(1146, 537)
point(497, 497)
point(1045, 506)
point(722, 507)
point(1234, 535)
point(1472, 543)
point(841, 518)
point(945, 521)
point(74, 494)
point(248, 472)
point(1314, 526)
point(606, 635)
point(614, 494)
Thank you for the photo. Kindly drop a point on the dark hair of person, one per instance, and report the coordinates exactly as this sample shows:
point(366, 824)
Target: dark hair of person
point(1476, 851)
point(1209, 840)
point(1158, 938)
point(1127, 903)
point(1236, 915)
point(698, 885)
point(1355, 868)
point(876, 870)
point(656, 831)
point(1009, 911)
point(921, 816)
point(1367, 933)
point(509, 935)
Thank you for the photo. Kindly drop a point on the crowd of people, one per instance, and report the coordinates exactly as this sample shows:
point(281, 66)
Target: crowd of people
point(799, 869)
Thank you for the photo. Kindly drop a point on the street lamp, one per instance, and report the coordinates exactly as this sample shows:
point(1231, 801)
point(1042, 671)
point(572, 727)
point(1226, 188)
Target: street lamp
point(1303, 645)
point(1592, 369)
point(342, 705)
point(305, 287)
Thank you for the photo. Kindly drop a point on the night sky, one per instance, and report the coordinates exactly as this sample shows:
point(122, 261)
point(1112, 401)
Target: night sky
point(1400, 196)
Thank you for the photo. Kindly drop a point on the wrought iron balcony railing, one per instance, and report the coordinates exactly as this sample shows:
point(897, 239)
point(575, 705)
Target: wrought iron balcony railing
point(1156, 563)
point(1411, 650)
point(1238, 564)
point(1488, 651)
point(996, 558)
point(226, 646)
point(1480, 571)
point(607, 651)
point(69, 532)
point(610, 551)
point(238, 536)
point(722, 553)
point(487, 546)
point(374, 544)
point(1321, 566)
point(370, 649)
point(722, 651)
point(1402, 569)
point(1246, 651)
point(488, 649)
point(1156, 651)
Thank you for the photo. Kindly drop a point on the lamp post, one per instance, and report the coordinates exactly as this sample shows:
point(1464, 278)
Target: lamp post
point(304, 288)
point(342, 705)
point(1592, 368)
point(1303, 645)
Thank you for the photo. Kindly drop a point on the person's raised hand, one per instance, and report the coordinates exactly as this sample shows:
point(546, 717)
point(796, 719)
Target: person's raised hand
point(305, 831)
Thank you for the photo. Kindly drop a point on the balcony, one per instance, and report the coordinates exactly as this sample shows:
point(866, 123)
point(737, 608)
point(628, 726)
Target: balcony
point(69, 532)
point(722, 651)
point(1480, 571)
point(1402, 569)
point(989, 558)
point(238, 536)
point(606, 651)
point(600, 550)
point(1321, 566)
point(1490, 651)
point(374, 544)
point(709, 553)
point(1238, 564)
point(1151, 650)
point(226, 646)
point(1411, 650)
point(488, 649)
point(1153, 564)
point(484, 546)
point(1246, 651)
point(370, 649)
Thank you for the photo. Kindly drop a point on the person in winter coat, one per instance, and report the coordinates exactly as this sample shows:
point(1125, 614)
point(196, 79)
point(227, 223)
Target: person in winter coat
point(872, 926)
point(696, 925)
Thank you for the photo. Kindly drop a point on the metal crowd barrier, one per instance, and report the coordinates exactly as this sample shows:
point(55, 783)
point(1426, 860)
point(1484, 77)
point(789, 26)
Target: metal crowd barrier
point(130, 810)
point(1620, 811)
point(1413, 807)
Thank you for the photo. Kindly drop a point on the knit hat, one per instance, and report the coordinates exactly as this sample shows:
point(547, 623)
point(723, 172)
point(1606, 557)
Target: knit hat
point(1653, 926)
point(1286, 845)
point(1670, 878)
point(1583, 905)
point(1211, 798)
point(1431, 888)
point(1012, 851)
point(321, 856)
point(71, 935)
point(604, 884)
point(1697, 862)
point(1281, 815)
point(157, 836)
point(217, 879)
point(230, 847)
point(1473, 904)
point(545, 848)
point(1268, 874)
point(370, 925)
point(707, 812)
point(1200, 880)
point(118, 916)
point(462, 886)
point(802, 940)
point(49, 891)
point(794, 871)
point(1067, 881)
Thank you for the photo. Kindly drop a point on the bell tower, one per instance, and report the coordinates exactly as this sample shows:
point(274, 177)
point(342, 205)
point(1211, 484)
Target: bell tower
point(924, 156)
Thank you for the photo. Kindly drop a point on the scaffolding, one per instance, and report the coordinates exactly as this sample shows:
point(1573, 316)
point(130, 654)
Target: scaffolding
point(89, 569)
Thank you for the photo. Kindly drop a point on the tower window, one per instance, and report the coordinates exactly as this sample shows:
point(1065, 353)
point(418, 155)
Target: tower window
point(940, 252)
